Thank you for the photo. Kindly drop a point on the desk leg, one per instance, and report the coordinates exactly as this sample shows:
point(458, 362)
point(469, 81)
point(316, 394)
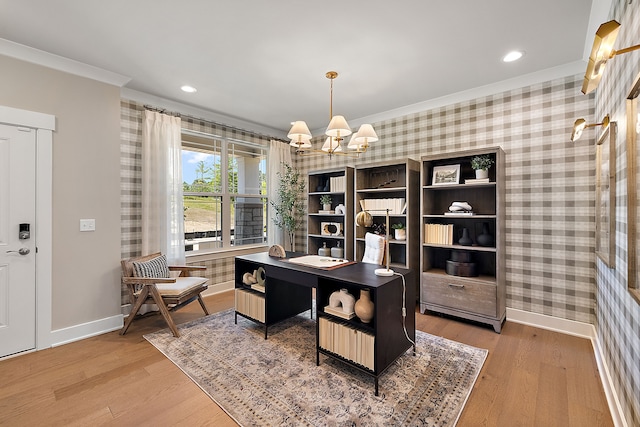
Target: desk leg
point(376, 382)
point(265, 331)
point(236, 319)
point(414, 349)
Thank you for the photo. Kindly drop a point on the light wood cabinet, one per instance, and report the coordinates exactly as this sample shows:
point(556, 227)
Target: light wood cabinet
point(462, 280)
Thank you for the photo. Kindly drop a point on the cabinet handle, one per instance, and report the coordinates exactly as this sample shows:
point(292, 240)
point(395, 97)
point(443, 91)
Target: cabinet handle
point(455, 285)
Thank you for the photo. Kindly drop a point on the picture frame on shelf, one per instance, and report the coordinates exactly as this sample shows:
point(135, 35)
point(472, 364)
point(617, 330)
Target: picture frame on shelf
point(446, 175)
point(606, 195)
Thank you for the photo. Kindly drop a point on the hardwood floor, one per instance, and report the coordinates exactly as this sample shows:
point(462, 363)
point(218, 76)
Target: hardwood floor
point(532, 377)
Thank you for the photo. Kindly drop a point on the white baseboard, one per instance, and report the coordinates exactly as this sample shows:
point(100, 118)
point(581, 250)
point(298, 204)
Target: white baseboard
point(583, 330)
point(619, 419)
point(569, 327)
point(86, 330)
point(219, 287)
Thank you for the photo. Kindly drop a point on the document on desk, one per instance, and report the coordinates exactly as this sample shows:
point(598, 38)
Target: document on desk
point(317, 261)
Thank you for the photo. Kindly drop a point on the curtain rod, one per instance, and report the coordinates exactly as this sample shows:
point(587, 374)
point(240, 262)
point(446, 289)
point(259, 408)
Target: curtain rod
point(161, 110)
point(176, 114)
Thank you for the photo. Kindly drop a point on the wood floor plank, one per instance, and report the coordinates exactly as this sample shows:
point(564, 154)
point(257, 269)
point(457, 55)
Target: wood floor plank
point(531, 377)
point(552, 405)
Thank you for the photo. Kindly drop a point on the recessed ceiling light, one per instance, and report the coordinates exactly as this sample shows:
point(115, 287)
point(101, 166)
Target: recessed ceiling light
point(513, 56)
point(189, 89)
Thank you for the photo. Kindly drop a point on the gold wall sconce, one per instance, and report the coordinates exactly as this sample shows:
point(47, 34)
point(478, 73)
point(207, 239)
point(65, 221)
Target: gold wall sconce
point(601, 52)
point(581, 124)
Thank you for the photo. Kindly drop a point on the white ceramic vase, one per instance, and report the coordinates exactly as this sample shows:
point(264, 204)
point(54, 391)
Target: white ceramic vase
point(344, 299)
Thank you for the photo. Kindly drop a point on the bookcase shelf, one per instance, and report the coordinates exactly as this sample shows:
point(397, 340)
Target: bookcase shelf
point(318, 181)
point(474, 288)
point(394, 180)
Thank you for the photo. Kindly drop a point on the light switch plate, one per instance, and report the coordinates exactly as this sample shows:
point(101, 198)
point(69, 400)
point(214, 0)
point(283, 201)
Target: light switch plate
point(87, 225)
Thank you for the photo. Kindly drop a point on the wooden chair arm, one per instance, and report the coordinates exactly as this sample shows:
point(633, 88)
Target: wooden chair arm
point(147, 280)
point(185, 270)
point(187, 267)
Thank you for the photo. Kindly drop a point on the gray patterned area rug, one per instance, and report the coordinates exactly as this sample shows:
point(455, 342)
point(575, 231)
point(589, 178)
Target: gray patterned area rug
point(276, 382)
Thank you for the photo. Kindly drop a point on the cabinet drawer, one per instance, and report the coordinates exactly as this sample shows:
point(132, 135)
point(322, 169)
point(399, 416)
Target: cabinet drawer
point(460, 293)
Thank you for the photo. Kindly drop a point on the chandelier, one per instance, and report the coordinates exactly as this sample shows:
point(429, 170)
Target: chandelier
point(337, 130)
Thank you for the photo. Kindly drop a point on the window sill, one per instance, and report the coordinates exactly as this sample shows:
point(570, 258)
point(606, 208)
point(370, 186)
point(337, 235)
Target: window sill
point(226, 253)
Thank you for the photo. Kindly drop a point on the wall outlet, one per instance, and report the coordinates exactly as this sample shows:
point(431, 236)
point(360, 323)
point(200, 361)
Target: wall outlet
point(87, 225)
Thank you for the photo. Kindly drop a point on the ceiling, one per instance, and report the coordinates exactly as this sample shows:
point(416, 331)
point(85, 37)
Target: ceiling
point(263, 63)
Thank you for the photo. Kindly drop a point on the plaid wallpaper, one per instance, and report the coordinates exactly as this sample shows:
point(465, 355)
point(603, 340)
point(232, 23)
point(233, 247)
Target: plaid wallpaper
point(617, 313)
point(549, 189)
point(550, 195)
point(218, 270)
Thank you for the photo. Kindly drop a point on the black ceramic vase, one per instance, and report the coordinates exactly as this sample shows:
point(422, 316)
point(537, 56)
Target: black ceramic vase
point(465, 240)
point(485, 239)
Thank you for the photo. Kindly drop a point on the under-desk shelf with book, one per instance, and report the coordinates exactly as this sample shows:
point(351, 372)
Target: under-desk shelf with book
point(262, 302)
point(462, 256)
point(369, 347)
point(329, 227)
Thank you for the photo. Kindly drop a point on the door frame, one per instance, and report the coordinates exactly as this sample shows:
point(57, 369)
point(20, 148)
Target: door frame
point(44, 124)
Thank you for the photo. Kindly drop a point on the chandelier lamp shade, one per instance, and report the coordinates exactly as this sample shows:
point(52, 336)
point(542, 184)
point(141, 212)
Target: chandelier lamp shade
point(337, 130)
point(601, 52)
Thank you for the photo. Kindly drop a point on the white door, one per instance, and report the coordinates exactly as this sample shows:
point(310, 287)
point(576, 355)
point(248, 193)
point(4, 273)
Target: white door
point(17, 255)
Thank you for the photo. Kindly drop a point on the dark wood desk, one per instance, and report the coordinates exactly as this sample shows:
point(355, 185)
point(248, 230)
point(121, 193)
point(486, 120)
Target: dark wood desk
point(288, 292)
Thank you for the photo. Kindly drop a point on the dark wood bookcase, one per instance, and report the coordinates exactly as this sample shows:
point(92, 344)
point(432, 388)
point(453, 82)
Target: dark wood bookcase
point(397, 179)
point(319, 183)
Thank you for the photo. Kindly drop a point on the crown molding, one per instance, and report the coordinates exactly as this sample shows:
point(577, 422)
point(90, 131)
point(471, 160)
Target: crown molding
point(570, 69)
point(60, 63)
point(200, 113)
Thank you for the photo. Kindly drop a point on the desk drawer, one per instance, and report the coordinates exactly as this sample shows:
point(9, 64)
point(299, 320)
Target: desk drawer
point(466, 294)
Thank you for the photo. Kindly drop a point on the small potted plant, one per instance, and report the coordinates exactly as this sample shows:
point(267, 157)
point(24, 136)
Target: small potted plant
point(325, 201)
point(400, 231)
point(481, 165)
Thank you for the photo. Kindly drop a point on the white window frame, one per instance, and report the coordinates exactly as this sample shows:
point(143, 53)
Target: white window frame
point(225, 195)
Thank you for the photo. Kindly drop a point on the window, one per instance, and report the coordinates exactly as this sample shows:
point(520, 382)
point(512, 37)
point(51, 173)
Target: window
point(225, 202)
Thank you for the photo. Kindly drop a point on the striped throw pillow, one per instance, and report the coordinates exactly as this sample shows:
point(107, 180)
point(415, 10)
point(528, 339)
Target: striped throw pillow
point(155, 267)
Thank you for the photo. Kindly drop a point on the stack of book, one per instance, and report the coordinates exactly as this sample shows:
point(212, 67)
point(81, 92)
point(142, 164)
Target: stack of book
point(396, 206)
point(257, 287)
point(250, 304)
point(347, 342)
point(438, 234)
point(459, 213)
point(337, 311)
point(476, 181)
point(337, 184)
